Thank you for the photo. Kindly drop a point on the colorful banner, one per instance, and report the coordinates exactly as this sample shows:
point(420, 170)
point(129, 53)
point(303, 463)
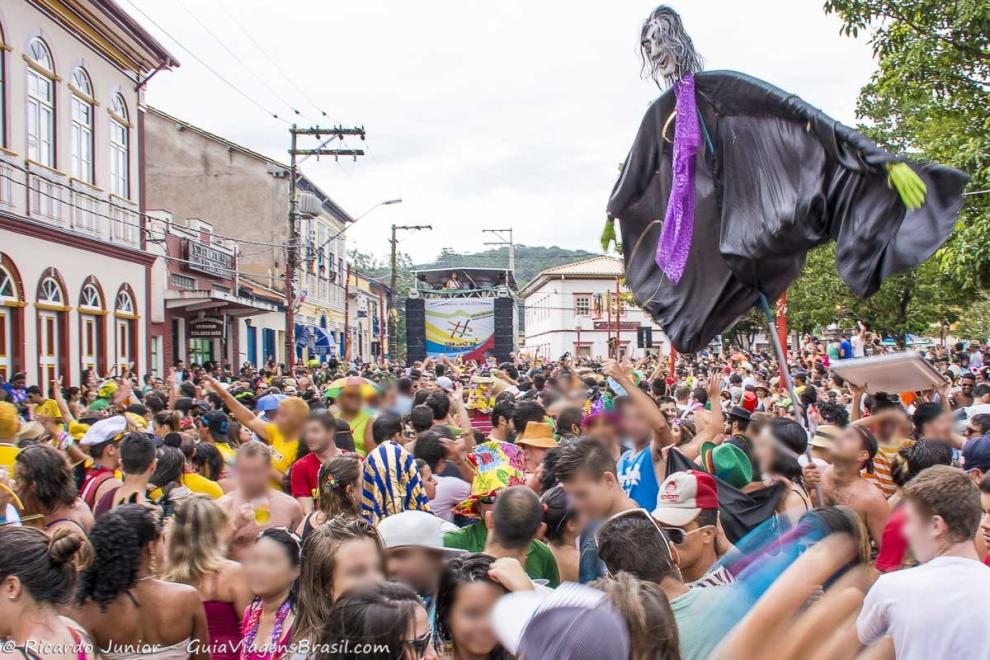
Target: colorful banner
point(460, 326)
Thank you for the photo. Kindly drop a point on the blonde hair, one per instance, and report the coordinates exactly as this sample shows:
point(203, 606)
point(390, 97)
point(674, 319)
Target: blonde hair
point(295, 405)
point(648, 616)
point(195, 546)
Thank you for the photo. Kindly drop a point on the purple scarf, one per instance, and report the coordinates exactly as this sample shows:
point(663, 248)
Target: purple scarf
point(678, 222)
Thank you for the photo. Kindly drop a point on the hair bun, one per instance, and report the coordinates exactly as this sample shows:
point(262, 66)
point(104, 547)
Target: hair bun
point(63, 546)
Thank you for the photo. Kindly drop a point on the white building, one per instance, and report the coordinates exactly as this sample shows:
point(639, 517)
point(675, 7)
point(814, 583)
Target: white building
point(73, 269)
point(572, 309)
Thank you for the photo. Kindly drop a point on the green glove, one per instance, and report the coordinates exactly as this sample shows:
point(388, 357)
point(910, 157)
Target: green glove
point(608, 234)
point(908, 184)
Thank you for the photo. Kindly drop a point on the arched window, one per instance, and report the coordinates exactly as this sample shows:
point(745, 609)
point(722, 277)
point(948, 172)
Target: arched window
point(91, 324)
point(125, 304)
point(10, 318)
point(125, 336)
point(40, 118)
point(119, 148)
point(90, 298)
point(82, 125)
point(53, 331)
point(50, 292)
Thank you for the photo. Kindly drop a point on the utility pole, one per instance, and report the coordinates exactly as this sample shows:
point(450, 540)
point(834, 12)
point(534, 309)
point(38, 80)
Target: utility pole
point(500, 234)
point(336, 132)
point(393, 340)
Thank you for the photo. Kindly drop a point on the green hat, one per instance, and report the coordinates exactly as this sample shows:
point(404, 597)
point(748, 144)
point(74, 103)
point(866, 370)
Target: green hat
point(727, 462)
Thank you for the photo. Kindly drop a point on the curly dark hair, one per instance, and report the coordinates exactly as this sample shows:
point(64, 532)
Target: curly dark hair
point(833, 413)
point(118, 537)
point(45, 478)
point(461, 570)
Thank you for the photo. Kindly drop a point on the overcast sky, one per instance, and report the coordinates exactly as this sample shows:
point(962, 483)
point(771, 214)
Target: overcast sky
point(513, 113)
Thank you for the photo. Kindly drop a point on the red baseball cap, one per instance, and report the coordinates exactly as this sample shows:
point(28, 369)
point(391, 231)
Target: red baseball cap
point(683, 495)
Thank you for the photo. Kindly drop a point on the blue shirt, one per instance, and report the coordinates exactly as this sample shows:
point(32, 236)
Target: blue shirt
point(638, 478)
point(845, 349)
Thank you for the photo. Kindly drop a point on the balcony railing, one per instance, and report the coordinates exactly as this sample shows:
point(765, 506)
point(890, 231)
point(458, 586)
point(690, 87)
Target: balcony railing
point(53, 197)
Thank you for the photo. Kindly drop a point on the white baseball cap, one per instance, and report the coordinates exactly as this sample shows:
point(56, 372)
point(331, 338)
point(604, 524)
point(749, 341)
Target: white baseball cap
point(514, 611)
point(103, 430)
point(446, 383)
point(414, 528)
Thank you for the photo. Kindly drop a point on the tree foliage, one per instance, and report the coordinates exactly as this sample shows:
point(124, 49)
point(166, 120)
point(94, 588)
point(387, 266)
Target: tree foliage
point(930, 97)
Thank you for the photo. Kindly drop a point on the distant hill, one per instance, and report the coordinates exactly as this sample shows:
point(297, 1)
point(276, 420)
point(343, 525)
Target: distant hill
point(530, 260)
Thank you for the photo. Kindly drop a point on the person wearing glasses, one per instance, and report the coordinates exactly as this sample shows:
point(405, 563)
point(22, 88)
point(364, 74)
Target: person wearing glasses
point(632, 541)
point(382, 621)
point(687, 509)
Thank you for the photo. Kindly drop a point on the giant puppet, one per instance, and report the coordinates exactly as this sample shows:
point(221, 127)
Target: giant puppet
point(731, 181)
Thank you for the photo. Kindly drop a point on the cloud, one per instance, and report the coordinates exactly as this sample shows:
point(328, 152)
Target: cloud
point(479, 114)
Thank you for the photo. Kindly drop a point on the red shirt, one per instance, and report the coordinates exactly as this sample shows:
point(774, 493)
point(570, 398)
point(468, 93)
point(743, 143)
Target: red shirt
point(95, 476)
point(893, 547)
point(303, 477)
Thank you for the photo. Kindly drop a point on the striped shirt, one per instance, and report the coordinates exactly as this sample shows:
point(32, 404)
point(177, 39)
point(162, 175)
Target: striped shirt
point(716, 577)
point(881, 476)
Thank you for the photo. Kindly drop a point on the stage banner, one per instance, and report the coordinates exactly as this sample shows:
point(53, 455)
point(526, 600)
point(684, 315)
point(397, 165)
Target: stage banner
point(460, 326)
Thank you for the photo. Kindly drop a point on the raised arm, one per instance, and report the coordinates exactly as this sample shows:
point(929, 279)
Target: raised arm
point(709, 423)
point(661, 429)
point(240, 412)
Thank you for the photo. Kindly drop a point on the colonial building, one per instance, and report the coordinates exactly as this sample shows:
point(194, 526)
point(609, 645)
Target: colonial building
point(574, 309)
point(74, 272)
point(194, 175)
point(366, 320)
point(207, 306)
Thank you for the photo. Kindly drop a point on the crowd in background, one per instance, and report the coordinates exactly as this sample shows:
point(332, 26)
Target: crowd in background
point(686, 507)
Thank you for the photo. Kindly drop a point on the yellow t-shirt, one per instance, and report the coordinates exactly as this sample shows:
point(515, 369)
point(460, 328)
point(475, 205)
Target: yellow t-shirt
point(359, 426)
point(198, 484)
point(283, 451)
point(8, 454)
point(226, 451)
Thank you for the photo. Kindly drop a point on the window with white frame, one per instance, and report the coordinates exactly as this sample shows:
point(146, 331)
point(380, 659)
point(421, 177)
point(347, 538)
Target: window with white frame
point(51, 292)
point(40, 120)
point(82, 126)
point(582, 305)
point(120, 179)
point(89, 298)
point(125, 304)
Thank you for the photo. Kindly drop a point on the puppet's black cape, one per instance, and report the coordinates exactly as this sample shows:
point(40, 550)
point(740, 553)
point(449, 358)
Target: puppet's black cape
point(739, 512)
point(783, 178)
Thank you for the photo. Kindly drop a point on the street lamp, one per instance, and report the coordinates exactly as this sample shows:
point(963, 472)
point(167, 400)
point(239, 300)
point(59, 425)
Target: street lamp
point(387, 202)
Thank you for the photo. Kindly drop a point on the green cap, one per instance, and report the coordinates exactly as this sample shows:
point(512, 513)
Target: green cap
point(727, 462)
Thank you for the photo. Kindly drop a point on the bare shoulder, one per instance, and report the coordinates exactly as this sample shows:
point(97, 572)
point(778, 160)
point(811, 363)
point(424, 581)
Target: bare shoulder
point(278, 497)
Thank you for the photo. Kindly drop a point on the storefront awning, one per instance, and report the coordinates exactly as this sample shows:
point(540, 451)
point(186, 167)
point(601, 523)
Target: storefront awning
point(315, 338)
point(197, 300)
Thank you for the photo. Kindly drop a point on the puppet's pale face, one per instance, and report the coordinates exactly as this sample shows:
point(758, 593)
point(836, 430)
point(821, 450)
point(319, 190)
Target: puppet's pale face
point(659, 55)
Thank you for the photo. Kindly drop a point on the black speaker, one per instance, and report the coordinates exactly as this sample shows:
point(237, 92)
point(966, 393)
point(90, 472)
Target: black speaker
point(504, 336)
point(415, 329)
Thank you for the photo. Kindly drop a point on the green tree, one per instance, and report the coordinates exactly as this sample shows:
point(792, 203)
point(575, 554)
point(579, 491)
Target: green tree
point(930, 97)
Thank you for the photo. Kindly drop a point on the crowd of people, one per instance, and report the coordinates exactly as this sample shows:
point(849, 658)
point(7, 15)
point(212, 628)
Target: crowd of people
point(690, 507)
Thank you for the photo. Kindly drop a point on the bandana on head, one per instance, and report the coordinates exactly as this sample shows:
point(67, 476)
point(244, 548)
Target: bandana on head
point(497, 465)
point(391, 483)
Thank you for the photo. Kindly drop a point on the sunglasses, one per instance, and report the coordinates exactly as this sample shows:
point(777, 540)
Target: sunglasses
point(633, 512)
point(419, 644)
point(678, 536)
point(487, 499)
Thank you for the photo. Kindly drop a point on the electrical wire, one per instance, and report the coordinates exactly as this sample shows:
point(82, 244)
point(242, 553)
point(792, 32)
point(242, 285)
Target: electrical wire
point(117, 206)
point(193, 55)
point(251, 71)
point(275, 64)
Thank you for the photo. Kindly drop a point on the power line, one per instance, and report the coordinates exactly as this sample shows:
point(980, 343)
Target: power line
point(116, 206)
point(207, 66)
point(240, 61)
point(275, 64)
